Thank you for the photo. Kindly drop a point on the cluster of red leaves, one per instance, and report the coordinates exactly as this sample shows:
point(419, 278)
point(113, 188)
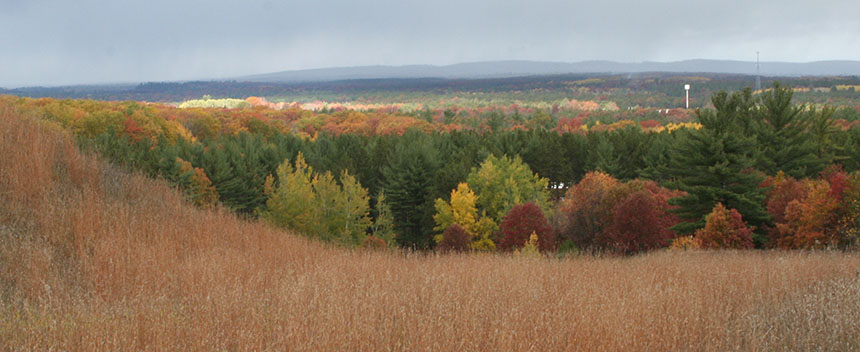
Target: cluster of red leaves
point(601, 213)
point(518, 225)
point(570, 125)
point(640, 222)
point(455, 238)
point(812, 213)
point(131, 129)
point(649, 124)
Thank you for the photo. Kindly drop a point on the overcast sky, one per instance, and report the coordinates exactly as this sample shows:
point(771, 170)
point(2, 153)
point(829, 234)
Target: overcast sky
point(54, 42)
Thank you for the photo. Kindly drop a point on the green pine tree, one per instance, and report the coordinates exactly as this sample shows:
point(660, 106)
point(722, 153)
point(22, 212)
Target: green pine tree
point(781, 129)
point(656, 159)
point(823, 130)
point(715, 164)
point(603, 156)
point(409, 185)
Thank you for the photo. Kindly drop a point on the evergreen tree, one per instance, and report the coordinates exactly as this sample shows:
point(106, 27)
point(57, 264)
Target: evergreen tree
point(409, 185)
point(715, 165)
point(603, 156)
point(655, 161)
point(458, 153)
point(630, 145)
point(785, 144)
point(821, 126)
point(238, 166)
point(575, 153)
point(506, 143)
point(543, 153)
point(849, 141)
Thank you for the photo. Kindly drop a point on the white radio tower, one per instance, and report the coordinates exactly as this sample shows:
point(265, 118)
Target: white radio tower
point(757, 73)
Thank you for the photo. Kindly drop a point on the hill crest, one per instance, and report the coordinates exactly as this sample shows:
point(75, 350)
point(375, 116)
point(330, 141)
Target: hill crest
point(514, 68)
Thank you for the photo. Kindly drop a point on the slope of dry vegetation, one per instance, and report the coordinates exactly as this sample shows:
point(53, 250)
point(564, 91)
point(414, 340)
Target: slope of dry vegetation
point(92, 258)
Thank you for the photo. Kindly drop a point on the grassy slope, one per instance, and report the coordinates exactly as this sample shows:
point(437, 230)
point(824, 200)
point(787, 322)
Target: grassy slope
point(93, 258)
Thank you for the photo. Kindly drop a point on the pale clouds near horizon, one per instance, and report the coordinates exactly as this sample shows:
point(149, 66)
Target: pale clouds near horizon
point(52, 42)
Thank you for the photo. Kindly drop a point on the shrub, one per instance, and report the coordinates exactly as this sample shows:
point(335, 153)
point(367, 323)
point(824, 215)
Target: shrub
point(639, 223)
point(783, 190)
point(584, 212)
point(373, 242)
point(724, 228)
point(455, 238)
point(810, 222)
point(825, 215)
point(198, 187)
point(685, 243)
point(530, 247)
point(600, 213)
point(523, 220)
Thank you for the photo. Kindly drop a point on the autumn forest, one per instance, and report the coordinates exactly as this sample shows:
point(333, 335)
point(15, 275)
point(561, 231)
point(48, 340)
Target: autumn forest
point(503, 214)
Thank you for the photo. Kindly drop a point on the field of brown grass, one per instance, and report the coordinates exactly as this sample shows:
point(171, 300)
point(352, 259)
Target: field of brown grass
point(94, 258)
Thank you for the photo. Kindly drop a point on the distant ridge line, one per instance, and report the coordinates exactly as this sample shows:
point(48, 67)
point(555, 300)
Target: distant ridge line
point(513, 68)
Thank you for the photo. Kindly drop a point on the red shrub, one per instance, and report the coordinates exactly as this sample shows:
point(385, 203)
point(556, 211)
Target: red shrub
point(601, 213)
point(520, 223)
point(826, 215)
point(587, 209)
point(639, 223)
point(649, 124)
point(810, 222)
point(837, 179)
point(784, 189)
point(455, 238)
point(725, 228)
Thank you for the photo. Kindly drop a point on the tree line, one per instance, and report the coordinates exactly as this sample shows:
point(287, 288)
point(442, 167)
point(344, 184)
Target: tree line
point(758, 171)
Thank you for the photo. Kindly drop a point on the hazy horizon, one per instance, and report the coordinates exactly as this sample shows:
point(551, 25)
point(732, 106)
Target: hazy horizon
point(53, 43)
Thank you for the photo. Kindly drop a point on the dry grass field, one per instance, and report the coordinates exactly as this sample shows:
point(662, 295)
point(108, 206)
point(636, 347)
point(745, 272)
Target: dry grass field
point(96, 259)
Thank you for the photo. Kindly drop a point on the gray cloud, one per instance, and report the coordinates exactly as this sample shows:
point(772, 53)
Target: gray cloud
point(52, 42)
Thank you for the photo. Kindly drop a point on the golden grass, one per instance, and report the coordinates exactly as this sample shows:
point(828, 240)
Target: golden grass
point(92, 258)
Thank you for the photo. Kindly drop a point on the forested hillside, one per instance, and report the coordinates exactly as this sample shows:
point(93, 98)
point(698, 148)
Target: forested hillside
point(654, 90)
point(93, 257)
point(783, 175)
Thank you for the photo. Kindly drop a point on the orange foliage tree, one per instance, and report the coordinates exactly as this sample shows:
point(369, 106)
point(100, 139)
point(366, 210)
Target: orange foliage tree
point(823, 212)
point(584, 209)
point(198, 188)
point(724, 228)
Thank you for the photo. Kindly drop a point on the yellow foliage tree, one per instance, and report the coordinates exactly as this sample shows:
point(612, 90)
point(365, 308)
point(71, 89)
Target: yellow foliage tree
point(316, 205)
point(462, 210)
point(530, 247)
point(287, 205)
